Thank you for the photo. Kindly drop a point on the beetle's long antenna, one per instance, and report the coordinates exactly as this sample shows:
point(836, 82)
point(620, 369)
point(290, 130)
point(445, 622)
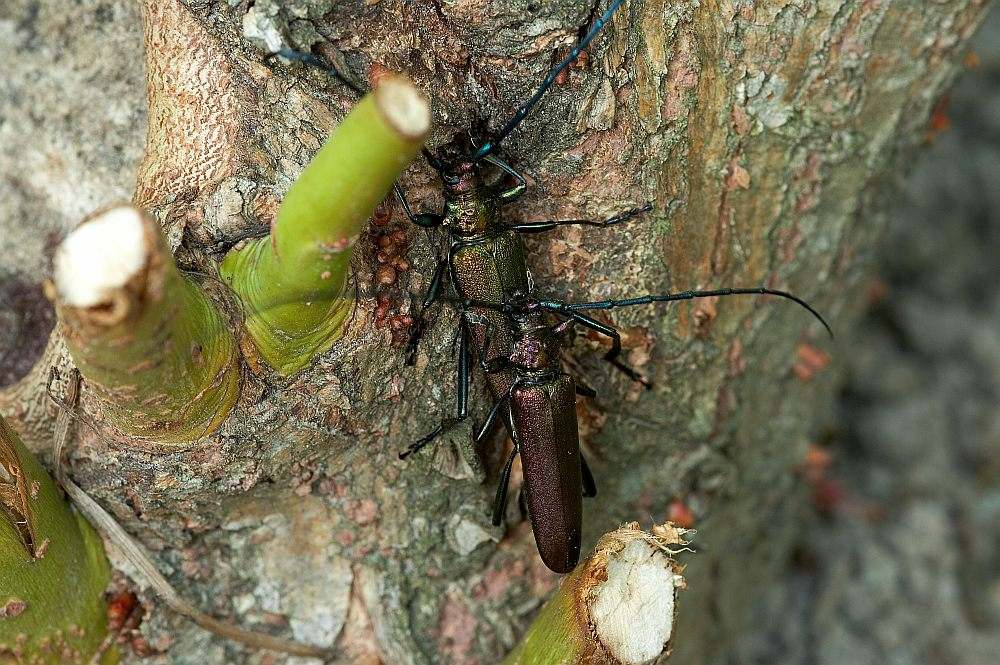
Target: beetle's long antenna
point(523, 111)
point(567, 308)
point(360, 91)
point(556, 306)
point(313, 61)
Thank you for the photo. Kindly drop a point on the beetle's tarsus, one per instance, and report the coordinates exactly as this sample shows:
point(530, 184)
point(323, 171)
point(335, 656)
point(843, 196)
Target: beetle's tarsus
point(423, 441)
point(500, 501)
point(628, 371)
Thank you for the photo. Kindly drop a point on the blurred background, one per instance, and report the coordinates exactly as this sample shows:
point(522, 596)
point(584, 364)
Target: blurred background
point(902, 562)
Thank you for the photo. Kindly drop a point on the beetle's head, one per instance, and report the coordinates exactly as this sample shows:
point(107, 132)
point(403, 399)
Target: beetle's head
point(456, 162)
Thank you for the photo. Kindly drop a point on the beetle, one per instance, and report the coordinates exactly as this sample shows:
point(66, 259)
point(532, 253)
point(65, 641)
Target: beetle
point(486, 257)
point(539, 407)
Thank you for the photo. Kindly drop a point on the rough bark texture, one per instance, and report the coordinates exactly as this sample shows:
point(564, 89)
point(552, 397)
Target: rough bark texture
point(901, 565)
point(766, 133)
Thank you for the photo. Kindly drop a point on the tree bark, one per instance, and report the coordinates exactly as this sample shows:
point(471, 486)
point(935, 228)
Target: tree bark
point(768, 135)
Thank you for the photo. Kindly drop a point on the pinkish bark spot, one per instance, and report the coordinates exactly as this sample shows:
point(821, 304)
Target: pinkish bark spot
point(457, 632)
point(12, 608)
point(364, 511)
point(737, 363)
point(809, 361)
point(496, 582)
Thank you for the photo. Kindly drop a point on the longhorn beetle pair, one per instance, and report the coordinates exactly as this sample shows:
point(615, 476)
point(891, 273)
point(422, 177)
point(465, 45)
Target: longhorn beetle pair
point(516, 346)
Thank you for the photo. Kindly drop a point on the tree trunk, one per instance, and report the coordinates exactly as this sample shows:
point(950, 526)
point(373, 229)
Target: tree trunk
point(766, 133)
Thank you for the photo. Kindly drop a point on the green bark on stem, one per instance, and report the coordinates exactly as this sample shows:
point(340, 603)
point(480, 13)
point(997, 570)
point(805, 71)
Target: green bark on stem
point(556, 637)
point(292, 283)
point(158, 353)
point(615, 608)
point(53, 571)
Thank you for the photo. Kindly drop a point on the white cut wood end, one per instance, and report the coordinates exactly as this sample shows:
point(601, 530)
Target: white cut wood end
point(403, 106)
point(100, 256)
point(632, 611)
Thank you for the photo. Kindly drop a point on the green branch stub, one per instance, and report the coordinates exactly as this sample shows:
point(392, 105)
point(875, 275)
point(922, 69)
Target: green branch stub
point(160, 354)
point(555, 636)
point(292, 283)
point(52, 593)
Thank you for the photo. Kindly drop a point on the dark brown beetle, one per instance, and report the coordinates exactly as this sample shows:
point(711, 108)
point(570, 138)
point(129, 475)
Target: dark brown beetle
point(539, 407)
point(540, 410)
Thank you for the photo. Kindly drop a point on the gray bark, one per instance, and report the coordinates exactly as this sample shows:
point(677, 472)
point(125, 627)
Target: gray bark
point(905, 568)
point(766, 133)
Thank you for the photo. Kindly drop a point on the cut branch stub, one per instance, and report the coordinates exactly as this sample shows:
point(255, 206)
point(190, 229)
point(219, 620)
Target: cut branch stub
point(616, 608)
point(292, 283)
point(53, 571)
point(155, 350)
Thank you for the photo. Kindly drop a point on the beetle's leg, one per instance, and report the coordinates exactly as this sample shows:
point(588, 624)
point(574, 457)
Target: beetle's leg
point(484, 363)
point(513, 193)
point(491, 365)
point(464, 367)
point(426, 220)
point(500, 501)
point(433, 292)
point(522, 502)
point(462, 400)
point(426, 439)
point(589, 486)
point(538, 227)
point(616, 346)
point(491, 420)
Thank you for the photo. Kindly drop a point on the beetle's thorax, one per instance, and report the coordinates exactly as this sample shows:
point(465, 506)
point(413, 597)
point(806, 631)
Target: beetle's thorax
point(535, 348)
point(471, 214)
point(470, 207)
